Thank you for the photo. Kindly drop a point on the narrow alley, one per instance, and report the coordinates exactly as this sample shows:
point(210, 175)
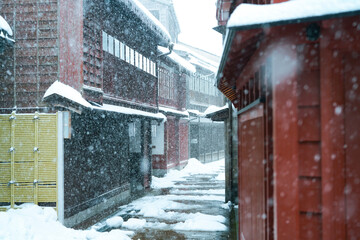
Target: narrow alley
point(187, 204)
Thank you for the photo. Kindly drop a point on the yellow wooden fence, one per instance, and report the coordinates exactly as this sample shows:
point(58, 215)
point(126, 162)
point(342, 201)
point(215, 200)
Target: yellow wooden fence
point(28, 159)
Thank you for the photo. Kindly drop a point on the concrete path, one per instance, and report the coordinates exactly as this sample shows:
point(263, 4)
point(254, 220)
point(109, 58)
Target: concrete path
point(193, 209)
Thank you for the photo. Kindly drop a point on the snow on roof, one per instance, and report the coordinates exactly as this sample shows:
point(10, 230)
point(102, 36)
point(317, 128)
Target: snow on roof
point(169, 110)
point(194, 112)
point(5, 30)
point(148, 18)
point(130, 111)
point(248, 15)
point(213, 109)
point(63, 90)
point(198, 59)
point(176, 58)
point(5, 26)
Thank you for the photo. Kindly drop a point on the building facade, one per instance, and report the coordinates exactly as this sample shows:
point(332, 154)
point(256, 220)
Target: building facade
point(293, 82)
point(206, 137)
point(189, 75)
point(93, 67)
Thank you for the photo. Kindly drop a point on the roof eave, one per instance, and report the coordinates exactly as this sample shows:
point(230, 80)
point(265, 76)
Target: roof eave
point(294, 21)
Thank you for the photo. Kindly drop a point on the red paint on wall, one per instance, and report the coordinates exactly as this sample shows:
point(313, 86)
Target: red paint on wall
point(71, 43)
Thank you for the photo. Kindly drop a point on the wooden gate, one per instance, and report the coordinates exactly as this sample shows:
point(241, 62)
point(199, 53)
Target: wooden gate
point(252, 201)
point(28, 160)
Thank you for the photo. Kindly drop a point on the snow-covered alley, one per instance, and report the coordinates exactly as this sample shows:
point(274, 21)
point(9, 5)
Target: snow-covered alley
point(186, 204)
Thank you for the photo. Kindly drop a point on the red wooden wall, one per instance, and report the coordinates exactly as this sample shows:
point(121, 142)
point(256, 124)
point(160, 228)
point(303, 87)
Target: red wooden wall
point(71, 43)
point(315, 131)
point(184, 142)
point(35, 52)
point(252, 194)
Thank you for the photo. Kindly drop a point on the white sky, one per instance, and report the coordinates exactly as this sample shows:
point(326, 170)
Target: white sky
point(196, 19)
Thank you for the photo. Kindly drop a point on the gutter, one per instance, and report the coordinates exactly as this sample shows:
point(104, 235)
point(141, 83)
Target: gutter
point(230, 34)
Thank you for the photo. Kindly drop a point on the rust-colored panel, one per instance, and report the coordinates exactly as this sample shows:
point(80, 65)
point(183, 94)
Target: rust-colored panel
point(310, 195)
point(310, 226)
point(309, 159)
point(332, 142)
point(184, 146)
point(352, 144)
point(252, 213)
point(286, 162)
point(309, 88)
point(308, 57)
point(309, 124)
point(71, 43)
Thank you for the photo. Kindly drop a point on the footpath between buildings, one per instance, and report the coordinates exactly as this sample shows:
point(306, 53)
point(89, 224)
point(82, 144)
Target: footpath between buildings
point(192, 208)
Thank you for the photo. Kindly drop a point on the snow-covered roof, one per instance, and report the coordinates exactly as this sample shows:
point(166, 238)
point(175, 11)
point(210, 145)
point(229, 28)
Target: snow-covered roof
point(5, 29)
point(247, 16)
point(148, 19)
point(177, 112)
point(213, 109)
point(130, 111)
point(177, 59)
point(5, 26)
point(196, 58)
point(65, 91)
point(194, 112)
point(69, 93)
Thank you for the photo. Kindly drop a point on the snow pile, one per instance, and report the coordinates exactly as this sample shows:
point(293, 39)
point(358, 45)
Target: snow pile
point(249, 14)
point(33, 222)
point(202, 222)
point(220, 177)
point(134, 223)
point(194, 166)
point(115, 222)
point(168, 180)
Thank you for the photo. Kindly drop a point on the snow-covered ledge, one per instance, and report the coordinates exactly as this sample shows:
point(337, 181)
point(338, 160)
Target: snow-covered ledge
point(64, 91)
point(5, 30)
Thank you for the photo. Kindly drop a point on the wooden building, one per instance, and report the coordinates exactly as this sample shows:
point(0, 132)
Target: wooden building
point(291, 70)
point(170, 142)
point(90, 68)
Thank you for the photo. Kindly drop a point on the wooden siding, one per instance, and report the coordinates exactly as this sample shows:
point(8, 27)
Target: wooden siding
point(35, 57)
point(121, 82)
point(71, 43)
point(252, 193)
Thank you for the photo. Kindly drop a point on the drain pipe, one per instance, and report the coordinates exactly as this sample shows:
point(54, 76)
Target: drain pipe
point(171, 47)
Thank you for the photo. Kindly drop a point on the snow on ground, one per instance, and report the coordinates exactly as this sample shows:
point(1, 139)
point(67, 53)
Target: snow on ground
point(169, 212)
point(33, 222)
point(194, 166)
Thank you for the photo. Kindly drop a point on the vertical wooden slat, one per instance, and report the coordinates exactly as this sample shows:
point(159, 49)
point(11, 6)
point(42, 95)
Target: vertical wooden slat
point(13, 117)
point(36, 157)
